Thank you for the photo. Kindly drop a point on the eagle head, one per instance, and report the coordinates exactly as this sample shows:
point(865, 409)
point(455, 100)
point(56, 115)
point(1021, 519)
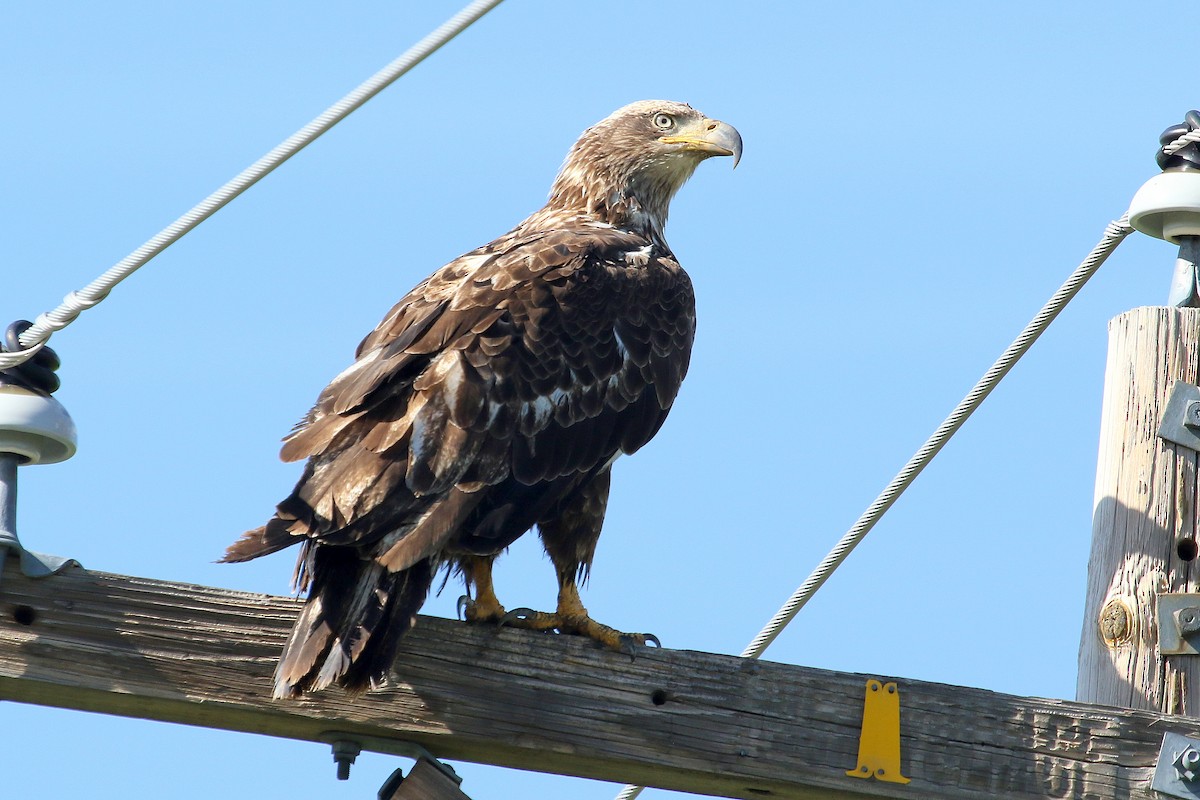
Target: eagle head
point(625, 169)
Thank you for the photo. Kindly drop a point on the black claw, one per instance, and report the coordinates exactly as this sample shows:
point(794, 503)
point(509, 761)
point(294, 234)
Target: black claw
point(515, 614)
point(464, 602)
point(629, 643)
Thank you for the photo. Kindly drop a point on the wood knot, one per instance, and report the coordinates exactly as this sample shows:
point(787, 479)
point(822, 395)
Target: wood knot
point(1116, 622)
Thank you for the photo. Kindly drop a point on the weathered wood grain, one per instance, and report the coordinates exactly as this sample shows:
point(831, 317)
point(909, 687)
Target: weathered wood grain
point(1145, 507)
point(680, 720)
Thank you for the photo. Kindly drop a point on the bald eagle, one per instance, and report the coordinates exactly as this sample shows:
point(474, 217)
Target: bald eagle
point(493, 398)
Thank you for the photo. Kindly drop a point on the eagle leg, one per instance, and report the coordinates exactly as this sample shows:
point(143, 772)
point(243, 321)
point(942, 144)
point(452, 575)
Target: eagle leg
point(484, 607)
point(571, 617)
point(569, 532)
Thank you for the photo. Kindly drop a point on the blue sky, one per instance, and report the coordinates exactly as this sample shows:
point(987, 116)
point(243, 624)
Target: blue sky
point(917, 180)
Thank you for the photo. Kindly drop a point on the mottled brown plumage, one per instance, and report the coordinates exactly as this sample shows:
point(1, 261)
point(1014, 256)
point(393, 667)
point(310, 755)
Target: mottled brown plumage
point(492, 398)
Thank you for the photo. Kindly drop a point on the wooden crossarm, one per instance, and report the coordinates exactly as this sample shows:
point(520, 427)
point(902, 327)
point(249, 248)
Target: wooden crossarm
point(683, 720)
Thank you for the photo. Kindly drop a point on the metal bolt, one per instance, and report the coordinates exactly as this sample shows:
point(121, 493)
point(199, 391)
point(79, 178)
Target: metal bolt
point(1191, 417)
point(344, 753)
point(1188, 620)
point(1116, 623)
point(1187, 764)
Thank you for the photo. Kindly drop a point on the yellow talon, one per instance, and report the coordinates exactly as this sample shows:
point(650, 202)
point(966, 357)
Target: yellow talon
point(485, 607)
point(571, 617)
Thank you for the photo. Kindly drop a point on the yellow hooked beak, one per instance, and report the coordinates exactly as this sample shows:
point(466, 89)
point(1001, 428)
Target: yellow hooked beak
point(711, 137)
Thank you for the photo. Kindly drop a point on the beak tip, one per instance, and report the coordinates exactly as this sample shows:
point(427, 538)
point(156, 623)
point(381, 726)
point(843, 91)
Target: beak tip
point(732, 142)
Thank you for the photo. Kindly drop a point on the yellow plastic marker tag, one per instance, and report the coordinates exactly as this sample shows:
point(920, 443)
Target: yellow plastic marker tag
point(879, 742)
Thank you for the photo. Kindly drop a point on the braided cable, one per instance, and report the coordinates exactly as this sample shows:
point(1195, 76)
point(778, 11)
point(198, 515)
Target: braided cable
point(1182, 142)
point(78, 301)
point(1114, 233)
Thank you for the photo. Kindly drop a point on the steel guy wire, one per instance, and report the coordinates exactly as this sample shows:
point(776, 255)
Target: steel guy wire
point(75, 302)
point(1114, 233)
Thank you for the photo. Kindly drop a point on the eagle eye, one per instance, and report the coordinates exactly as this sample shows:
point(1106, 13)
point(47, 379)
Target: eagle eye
point(664, 121)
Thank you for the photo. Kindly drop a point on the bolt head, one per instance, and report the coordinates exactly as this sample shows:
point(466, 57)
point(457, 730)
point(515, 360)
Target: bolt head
point(1188, 620)
point(1192, 415)
point(1187, 764)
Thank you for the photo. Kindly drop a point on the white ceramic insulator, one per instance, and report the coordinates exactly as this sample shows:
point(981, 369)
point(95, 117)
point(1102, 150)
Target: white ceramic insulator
point(1168, 206)
point(35, 427)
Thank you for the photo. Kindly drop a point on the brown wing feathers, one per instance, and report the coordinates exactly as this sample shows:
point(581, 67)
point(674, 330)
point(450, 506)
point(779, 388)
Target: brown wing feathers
point(524, 368)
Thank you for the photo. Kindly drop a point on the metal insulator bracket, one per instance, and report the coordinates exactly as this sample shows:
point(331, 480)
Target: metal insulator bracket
point(34, 429)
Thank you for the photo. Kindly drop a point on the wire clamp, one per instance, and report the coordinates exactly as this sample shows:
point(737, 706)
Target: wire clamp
point(879, 742)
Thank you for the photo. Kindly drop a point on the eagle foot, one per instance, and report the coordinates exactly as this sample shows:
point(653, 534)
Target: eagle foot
point(579, 625)
point(478, 611)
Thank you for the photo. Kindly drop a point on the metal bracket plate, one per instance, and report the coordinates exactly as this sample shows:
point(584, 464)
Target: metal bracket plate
point(1181, 418)
point(425, 781)
point(1178, 623)
point(1177, 759)
point(879, 742)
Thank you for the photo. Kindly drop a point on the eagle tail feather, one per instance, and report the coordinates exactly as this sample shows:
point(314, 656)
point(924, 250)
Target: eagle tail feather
point(270, 538)
point(350, 627)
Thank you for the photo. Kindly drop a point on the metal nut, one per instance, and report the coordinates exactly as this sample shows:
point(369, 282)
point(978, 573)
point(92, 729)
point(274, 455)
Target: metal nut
point(1191, 417)
point(1187, 764)
point(1188, 620)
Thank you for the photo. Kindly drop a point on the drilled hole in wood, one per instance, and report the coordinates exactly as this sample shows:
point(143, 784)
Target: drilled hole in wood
point(659, 697)
point(1187, 549)
point(24, 615)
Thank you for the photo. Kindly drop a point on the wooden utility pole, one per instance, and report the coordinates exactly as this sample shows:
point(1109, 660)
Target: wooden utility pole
point(681, 720)
point(1144, 520)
